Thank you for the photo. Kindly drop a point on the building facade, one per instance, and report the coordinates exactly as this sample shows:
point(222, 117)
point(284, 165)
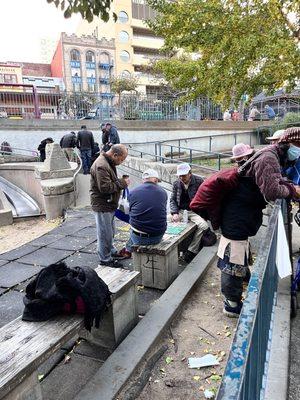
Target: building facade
point(85, 63)
point(135, 44)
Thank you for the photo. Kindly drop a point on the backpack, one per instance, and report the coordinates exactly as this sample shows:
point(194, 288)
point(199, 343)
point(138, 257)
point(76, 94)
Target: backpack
point(209, 197)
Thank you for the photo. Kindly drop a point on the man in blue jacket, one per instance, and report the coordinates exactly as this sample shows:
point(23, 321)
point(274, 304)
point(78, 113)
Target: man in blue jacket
point(147, 213)
point(110, 136)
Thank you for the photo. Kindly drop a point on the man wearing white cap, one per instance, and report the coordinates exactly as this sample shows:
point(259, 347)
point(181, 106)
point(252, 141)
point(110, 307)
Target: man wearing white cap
point(147, 213)
point(276, 136)
point(184, 189)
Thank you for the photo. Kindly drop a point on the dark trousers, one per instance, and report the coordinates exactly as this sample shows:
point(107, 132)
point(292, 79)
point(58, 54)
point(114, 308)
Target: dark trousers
point(86, 157)
point(231, 287)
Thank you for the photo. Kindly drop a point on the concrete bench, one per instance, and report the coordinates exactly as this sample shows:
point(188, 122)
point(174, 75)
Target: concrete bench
point(158, 264)
point(24, 346)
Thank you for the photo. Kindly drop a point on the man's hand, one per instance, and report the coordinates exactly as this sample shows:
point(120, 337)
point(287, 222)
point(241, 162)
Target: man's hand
point(175, 218)
point(297, 188)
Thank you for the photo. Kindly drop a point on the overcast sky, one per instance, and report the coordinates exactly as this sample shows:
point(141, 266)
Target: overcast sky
point(23, 23)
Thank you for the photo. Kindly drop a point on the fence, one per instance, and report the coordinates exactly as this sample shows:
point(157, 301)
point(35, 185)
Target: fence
point(25, 101)
point(246, 370)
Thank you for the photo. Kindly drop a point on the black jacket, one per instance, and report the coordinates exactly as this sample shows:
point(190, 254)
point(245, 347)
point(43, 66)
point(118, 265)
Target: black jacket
point(68, 141)
point(178, 187)
point(242, 210)
point(85, 140)
point(57, 286)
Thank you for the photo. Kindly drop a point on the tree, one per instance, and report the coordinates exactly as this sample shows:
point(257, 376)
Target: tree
point(87, 8)
point(228, 48)
point(129, 106)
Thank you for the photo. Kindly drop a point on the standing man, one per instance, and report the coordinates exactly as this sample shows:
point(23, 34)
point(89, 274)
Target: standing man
point(68, 142)
point(110, 136)
point(184, 190)
point(105, 192)
point(42, 148)
point(85, 142)
point(270, 112)
point(147, 213)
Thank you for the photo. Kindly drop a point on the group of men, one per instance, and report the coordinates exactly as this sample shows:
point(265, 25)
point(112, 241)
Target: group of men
point(89, 149)
point(84, 141)
point(147, 206)
point(260, 181)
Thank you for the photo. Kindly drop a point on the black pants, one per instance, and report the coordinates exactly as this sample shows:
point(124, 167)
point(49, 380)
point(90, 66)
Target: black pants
point(232, 287)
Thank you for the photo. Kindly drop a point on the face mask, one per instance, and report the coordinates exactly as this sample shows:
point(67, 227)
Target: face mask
point(293, 152)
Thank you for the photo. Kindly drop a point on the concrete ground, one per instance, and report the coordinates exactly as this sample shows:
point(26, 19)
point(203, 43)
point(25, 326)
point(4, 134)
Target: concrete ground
point(294, 382)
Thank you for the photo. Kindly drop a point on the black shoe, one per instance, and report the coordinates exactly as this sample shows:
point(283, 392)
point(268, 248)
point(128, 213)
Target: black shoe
point(189, 256)
point(112, 264)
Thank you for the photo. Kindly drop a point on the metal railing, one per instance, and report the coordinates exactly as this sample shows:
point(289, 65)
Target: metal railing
point(246, 370)
point(267, 130)
point(16, 151)
point(164, 159)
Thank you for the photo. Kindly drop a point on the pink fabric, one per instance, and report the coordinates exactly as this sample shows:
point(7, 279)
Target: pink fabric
point(266, 171)
point(80, 307)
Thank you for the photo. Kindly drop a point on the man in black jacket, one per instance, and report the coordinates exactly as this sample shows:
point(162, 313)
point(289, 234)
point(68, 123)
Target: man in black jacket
point(85, 142)
point(184, 189)
point(68, 142)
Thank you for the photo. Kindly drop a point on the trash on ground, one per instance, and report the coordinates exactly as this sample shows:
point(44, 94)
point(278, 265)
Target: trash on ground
point(209, 394)
point(205, 361)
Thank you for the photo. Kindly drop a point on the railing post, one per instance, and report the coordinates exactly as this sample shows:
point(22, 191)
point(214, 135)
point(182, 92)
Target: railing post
point(219, 162)
point(155, 152)
point(37, 111)
point(191, 156)
point(171, 152)
point(178, 148)
point(234, 139)
point(210, 140)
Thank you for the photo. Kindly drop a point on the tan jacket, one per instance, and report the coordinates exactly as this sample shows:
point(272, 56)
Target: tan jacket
point(105, 185)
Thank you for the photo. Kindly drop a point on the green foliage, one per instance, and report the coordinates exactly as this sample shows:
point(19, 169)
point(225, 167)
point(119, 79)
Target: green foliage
point(226, 48)
point(87, 8)
point(291, 118)
point(119, 85)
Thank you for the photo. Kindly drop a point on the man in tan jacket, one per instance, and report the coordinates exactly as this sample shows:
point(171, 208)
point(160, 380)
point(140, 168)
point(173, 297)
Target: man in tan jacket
point(105, 193)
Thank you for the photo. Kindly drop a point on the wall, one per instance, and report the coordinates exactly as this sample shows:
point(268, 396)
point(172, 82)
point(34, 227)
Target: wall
point(57, 62)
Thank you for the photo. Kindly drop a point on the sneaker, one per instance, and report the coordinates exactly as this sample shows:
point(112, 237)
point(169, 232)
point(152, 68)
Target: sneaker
point(232, 309)
point(112, 264)
point(123, 254)
point(189, 256)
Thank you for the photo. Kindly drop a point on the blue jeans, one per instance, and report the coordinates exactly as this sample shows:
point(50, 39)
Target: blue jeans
point(86, 157)
point(141, 241)
point(105, 226)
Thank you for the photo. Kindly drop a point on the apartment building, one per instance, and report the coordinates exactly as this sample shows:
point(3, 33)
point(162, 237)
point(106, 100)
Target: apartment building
point(85, 63)
point(135, 44)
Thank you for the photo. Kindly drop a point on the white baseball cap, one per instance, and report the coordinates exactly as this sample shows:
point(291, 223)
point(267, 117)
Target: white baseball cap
point(183, 169)
point(150, 173)
point(276, 135)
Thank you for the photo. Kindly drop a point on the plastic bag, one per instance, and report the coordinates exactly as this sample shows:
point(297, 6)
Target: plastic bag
point(122, 212)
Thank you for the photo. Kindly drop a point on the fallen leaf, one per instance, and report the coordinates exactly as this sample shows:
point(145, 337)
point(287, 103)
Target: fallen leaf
point(228, 334)
point(196, 378)
point(40, 377)
point(183, 359)
point(172, 341)
point(215, 378)
point(156, 381)
point(222, 353)
point(192, 353)
point(169, 360)
point(162, 370)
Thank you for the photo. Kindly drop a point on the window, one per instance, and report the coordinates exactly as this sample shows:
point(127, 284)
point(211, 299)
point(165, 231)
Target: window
point(123, 17)
point(91, 87)
point(75, 55)
point(125, 74)
point(90, 56)
point(9, 78)
point(124, 56)
point(123, 37)
point(77, 87)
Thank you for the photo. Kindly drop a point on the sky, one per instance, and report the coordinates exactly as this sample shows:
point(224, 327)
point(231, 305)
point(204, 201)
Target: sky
point(23, 23)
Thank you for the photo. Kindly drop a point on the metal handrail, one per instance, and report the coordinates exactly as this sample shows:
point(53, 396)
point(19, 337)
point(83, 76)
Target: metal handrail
point(15, 151)
point(174, 161)
point(247, 365)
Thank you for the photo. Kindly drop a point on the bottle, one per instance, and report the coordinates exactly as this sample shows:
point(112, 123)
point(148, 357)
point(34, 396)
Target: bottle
point(185, 217)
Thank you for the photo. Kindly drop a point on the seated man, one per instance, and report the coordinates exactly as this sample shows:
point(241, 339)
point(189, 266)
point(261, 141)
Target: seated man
point(147, 213)
point(184, 189)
